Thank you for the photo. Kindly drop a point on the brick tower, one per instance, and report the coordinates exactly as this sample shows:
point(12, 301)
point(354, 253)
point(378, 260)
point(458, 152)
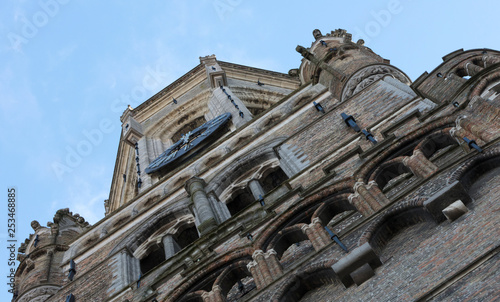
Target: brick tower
point(340, 181)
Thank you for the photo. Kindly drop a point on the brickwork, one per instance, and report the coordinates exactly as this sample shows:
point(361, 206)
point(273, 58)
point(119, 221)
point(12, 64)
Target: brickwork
point(348, 220)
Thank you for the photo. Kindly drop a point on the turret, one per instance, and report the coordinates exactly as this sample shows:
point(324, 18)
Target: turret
point(343, 66)
point(40, 273)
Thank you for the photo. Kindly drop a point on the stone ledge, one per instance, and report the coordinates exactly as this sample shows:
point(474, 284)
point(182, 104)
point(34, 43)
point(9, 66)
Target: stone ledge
point(358, 266)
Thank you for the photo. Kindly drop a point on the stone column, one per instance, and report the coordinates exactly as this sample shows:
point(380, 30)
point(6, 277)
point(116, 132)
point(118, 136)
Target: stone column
point(196, 189)
point(219, 208)
point(256, 188)
point(170, 246)
point(419, 165)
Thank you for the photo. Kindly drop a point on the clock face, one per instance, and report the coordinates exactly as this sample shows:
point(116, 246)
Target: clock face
point(188, 142)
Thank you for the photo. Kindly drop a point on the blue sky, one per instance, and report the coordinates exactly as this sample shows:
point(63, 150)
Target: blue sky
point(68, 69)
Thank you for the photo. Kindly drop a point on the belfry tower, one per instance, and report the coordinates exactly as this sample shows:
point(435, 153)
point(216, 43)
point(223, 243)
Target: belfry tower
point(341, 180)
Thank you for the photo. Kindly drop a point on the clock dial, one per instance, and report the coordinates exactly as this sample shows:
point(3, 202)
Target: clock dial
point(188, 142)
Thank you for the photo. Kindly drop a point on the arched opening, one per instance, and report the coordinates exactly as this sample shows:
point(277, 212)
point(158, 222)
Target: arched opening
point(223, 276)
point(328, 209)
point(291, 244)
point(273, 179)
point(235, 281)
point(155, 257)
point(242, 200)
point(186, 237)
point(436, 142)
point(479, 168)
point(389, 171)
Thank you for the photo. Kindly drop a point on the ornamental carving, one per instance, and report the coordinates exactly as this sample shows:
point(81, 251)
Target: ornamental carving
point(39, 294)
point(368, 75)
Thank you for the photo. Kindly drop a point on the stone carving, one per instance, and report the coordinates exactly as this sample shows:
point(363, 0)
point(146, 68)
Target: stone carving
point(35, 225)
point(366, 76)
point(38, 294)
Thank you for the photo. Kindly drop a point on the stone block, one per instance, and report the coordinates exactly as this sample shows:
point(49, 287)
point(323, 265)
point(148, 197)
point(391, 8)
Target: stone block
point(353, 267)
point(445, 197)
point(455, 210)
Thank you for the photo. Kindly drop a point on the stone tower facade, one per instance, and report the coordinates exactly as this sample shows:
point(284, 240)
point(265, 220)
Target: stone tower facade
point(340, 181)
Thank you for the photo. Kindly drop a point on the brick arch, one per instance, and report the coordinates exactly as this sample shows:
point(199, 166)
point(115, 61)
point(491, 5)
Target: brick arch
point(455, 60)
point(305, 280)
point(231, 274)
point(211, 270)
point(436, 141)
point(193, 296)
point(286, 237)
point(396, 219)
point(388, 171)
point(484, 82)
point(307, 206)
point(333, 206)
point(476, 166)
point(403, 146)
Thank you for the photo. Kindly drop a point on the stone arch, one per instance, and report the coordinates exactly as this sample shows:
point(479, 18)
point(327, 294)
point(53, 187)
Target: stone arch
point(333, 206)
point(272, 177)
point(144, 229)
point(231, 275)
point(239, 199)
point(286, 237)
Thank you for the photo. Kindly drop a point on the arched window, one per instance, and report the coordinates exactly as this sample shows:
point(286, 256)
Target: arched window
point(241, 200)
point(273, 179)
point(155, 257)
